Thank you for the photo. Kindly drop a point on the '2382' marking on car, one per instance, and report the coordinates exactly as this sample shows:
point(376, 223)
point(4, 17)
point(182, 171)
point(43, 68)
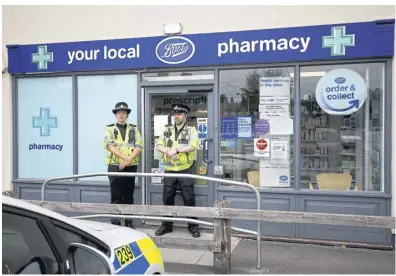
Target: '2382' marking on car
point(124, 255)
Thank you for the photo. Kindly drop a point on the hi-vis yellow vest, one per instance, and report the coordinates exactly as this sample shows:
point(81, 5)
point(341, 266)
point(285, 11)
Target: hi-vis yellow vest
point(113, 136)
point(188, 136)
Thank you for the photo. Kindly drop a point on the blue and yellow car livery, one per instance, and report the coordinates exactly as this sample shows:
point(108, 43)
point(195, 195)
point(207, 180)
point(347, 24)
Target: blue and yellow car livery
point(138, 257)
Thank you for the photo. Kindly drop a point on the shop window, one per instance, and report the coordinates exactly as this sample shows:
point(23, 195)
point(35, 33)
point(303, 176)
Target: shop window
point(256, 107)
point(342, 127)
point(45, 127)
point(97, 96)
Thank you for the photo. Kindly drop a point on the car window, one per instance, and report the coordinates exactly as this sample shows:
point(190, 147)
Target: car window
point(24, 241)
point(87, 263)
point(69, 236)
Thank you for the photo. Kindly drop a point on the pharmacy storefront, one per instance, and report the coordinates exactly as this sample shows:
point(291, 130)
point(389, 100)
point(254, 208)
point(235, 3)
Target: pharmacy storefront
point(302, 113)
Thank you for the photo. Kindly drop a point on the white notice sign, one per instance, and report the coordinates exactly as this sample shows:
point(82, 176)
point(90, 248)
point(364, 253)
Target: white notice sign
point(275, 86)
point(156, 180)
point(274, 111)
point(279, 151)
point(244, 127)
point(282, 126)
point(279, 177)
point(274, 100)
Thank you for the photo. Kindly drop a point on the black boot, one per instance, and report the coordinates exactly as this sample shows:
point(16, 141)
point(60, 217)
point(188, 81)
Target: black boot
point(129, 223)
point(163, 230)
point(194, 231)
point(116, 221)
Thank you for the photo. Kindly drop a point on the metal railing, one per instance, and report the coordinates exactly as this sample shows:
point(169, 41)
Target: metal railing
point(207, 223)
point(209, 179)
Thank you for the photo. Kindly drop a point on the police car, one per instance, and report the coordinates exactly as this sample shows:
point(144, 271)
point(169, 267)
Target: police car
point(39, 241)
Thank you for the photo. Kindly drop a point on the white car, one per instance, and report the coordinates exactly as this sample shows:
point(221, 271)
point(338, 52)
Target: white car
point(39, 241)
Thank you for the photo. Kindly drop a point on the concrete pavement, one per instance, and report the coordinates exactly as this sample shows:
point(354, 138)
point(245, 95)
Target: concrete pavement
point(278, 258)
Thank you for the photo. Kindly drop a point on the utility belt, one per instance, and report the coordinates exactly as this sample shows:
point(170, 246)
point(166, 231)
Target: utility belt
point(187, 170)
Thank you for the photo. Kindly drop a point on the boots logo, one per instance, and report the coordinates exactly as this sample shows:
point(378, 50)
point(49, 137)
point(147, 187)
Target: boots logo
point(175, 50)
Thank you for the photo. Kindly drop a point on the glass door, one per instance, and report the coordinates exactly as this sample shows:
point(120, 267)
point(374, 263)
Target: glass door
point(159, 102)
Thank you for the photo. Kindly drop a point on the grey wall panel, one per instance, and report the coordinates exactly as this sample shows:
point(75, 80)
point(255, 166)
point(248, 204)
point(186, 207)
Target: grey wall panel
point(94, 195)
point(29, 192)
point(72, 193)
point(100, 194)
point(278, 202)
point(343, 205)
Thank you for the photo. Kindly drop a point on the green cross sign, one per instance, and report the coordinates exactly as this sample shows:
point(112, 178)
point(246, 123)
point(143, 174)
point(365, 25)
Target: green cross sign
point(338, 41)
point(42, 57)
point(45, 122)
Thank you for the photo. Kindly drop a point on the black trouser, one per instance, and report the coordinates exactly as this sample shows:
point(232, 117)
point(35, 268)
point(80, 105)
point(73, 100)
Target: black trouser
point(186, 187)
point(122, 188)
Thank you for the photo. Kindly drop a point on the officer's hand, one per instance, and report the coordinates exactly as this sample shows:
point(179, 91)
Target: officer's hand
point(122, 166)
point(172, 152)
point(129, 159)
point(175, 157)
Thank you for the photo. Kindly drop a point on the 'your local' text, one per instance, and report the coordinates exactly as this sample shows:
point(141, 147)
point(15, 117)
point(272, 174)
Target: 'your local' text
point(107, 53)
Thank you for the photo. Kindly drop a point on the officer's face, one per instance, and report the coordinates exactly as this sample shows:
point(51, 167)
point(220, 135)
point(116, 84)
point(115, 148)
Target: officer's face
point(179, 118)
point(121, 116)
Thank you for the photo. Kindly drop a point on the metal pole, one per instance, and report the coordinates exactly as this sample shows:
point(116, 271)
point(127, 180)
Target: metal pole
point(210, 179)
point(236, 229)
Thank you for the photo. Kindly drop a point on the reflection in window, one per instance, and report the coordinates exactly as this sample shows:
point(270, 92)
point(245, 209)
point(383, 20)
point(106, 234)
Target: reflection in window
point(251, 100)
point(342, 152)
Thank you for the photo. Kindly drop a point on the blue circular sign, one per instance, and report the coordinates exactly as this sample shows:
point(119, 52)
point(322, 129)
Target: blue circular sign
point(202, 128)
point(341, 92)
point(261, 127)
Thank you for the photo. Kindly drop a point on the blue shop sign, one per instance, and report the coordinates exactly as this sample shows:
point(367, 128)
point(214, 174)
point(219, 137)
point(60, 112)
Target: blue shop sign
point(323, 42)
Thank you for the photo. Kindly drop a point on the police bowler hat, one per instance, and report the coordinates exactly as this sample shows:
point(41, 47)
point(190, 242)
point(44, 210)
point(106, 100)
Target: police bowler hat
point(121, 106)
point(180, 108)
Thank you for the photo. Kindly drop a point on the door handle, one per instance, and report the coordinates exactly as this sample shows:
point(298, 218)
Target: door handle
point(206, 151)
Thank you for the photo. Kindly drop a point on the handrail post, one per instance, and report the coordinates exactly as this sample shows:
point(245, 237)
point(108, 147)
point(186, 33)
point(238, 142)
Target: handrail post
point(222, 259)
point(227, 236)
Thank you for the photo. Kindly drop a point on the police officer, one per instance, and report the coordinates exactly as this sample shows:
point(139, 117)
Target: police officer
point(123, 144)
point(178, 145)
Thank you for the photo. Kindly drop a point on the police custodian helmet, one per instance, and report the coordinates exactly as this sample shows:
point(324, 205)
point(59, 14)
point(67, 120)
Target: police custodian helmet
point(180, 108)
point(121, 106)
